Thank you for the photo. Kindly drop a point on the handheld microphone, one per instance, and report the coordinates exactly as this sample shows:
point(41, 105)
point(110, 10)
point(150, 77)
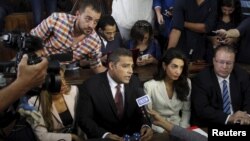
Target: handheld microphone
point(141, 102)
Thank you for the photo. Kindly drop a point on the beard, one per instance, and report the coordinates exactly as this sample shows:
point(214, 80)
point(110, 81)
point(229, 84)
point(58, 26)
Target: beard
point(87, 31)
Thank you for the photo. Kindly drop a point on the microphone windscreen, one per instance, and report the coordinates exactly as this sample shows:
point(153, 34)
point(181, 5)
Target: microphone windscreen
point(143, 99)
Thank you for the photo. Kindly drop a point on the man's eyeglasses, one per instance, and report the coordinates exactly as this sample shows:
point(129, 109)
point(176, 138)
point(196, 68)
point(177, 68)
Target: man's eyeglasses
point(222, 62)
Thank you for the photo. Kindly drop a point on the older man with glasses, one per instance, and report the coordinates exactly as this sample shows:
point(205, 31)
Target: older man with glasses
point(221, 94)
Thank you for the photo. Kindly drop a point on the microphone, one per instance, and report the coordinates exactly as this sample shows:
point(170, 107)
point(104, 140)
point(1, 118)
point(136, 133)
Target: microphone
point(142, 102)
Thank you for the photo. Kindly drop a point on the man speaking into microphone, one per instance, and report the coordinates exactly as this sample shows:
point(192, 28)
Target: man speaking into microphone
point(107, 102)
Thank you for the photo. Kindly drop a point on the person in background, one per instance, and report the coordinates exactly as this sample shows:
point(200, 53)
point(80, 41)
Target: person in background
point(112, 112)
point(191, 20)
point(242, 32)
point(221, 93)
point(229, 16)
point(164, 14)
point(58, 119)
point(127, 12)
point(175, 130)
point(76, 34)
point(40, 7)
point(110, 37)
point(170, 89)
point(142, 38)
point(28, 77)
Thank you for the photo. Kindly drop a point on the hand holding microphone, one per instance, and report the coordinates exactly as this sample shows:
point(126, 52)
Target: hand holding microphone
point(146, 132)
point(142, 102)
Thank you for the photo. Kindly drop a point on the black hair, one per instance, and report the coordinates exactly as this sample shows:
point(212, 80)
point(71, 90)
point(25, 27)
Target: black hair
point(117, 53)
point(236, 15)
point(181, 85)
point(104, 21)
point(139, 29)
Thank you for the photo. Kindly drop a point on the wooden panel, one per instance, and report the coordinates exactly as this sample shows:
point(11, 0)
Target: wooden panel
point(19, 21)
point(6, 54)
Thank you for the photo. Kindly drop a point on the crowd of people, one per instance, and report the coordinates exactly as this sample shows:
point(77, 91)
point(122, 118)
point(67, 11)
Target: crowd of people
point(104, 106)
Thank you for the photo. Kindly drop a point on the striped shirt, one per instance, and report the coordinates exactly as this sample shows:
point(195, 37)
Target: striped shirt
point(56, 32)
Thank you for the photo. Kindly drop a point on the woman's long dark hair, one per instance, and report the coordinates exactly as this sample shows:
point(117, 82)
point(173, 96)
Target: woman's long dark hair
point(139, 29)
point(181, 85)
point(236, 15)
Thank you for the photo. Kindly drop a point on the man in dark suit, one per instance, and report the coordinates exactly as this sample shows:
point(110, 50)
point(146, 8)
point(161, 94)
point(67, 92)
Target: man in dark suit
point(100, 113)
point(210, 106)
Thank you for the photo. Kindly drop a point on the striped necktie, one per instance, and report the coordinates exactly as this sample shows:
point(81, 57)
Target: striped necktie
point(226, 98)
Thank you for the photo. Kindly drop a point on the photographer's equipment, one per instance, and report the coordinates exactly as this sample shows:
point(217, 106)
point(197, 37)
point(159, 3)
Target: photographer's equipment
point(2, 80)
point(25, 43)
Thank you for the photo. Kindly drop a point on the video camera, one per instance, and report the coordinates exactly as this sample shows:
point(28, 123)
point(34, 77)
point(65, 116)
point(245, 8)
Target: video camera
point(25, 43)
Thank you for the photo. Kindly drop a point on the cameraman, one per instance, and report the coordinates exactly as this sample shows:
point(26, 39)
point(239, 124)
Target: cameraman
point(28, 76)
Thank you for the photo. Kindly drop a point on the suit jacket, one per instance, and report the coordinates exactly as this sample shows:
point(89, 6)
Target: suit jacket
point(206, 97)
point(41, 132)
point(168, 108)
point(96, 108)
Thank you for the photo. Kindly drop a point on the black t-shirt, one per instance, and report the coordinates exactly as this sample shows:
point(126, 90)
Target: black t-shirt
point(193, 43)
point(243, 55)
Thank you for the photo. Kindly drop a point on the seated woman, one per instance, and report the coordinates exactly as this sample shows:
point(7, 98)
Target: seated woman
point(170, 89)
point(142, 38)
point(58, 113)
point(229, 17)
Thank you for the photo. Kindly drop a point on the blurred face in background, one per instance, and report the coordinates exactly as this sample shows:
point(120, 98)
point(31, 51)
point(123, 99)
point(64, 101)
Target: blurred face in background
point(145, 39)
point(223, 63)
point(227, 10)
point(109, 32)
point(87, 20)
point(174, 69)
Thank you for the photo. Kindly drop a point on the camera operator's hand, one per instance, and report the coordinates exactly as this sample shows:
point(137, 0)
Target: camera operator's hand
point(28, 76)
point(31, 75)
point(146, 133)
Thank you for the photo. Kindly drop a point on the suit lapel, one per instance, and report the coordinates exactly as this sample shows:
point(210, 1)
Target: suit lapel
point(55, 113)
point(217, 89)
point(70, 101)
point(108, 93)
point(233, 90)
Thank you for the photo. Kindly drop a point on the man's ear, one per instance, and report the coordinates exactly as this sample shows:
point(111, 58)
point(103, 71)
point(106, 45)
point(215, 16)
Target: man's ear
point(100, 30)
point(111, 65)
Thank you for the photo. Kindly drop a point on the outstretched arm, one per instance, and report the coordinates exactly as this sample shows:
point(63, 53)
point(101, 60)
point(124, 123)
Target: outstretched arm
point(176, 130)
point(28, 76)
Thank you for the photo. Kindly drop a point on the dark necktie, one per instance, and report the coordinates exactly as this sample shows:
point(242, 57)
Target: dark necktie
point(119, 101)
point(226, 99)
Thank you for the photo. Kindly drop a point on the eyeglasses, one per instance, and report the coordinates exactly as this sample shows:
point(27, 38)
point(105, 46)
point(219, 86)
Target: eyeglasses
point(222, 62)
